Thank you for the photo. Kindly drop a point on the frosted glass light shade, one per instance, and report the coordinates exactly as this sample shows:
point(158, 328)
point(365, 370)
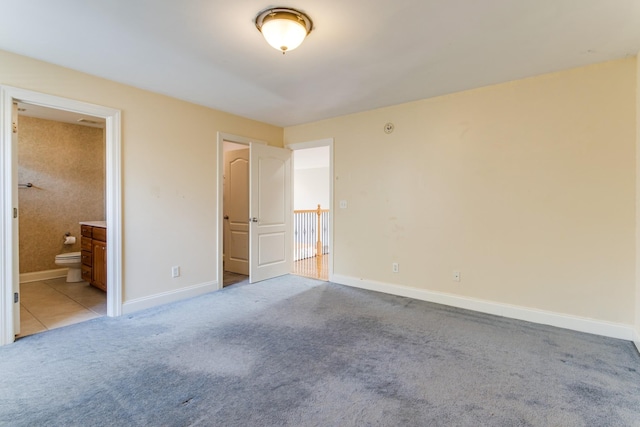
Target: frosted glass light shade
point(284, 29)
point(284, 34)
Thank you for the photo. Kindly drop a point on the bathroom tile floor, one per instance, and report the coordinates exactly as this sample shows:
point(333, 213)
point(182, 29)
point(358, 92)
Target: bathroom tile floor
point(50, 304)
point(54, 303)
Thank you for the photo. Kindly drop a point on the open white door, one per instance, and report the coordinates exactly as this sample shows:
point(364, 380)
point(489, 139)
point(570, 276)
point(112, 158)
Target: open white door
point(270, 207)
point(14, 179)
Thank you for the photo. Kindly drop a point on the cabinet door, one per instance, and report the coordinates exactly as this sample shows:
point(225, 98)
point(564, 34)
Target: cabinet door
point(99, 266)
point(86, 273)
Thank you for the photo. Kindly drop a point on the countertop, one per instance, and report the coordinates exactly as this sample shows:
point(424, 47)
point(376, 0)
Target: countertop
point(101, 224)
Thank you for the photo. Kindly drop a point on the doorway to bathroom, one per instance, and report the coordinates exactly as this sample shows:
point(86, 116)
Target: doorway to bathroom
point(10, 211)
point(61, 183)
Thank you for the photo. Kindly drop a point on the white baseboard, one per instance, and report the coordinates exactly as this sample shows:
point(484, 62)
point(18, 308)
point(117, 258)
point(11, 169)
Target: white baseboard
point(636, 339)
point(43, 275)
point(580, 324)
point(167, 297)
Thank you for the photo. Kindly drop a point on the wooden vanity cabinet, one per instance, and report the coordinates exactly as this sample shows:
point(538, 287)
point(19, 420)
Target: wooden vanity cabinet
point(86, 257)
point(94, 256)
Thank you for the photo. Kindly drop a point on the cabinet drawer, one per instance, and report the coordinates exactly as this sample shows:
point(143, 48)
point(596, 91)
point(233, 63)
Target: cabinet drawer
point(100, 234)
point(86, 273)
point(86, 243)
point(86, 258)
point(85, 230)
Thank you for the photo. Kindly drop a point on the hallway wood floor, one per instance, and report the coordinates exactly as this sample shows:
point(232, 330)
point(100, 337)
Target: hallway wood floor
point(308, 267)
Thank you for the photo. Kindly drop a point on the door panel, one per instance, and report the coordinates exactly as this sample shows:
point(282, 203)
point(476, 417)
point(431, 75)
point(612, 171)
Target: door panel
point(236, 206)
point(270, 228)
point(271, 206)
point(272, 248)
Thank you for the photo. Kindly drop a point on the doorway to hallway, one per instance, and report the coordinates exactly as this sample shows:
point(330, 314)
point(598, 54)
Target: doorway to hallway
point(312, 213)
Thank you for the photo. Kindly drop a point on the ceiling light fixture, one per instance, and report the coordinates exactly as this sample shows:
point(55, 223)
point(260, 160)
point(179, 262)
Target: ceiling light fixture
point(283, 28)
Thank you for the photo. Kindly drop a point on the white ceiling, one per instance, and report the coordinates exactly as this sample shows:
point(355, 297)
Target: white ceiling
point(361, 55)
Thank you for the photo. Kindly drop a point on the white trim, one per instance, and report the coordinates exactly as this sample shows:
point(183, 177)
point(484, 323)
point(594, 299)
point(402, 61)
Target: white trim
point(6, 227)
point(315, 144)
point(113, 202)
point(37, 276)
point(169, 297)
point(636, 339)
point(575, 323)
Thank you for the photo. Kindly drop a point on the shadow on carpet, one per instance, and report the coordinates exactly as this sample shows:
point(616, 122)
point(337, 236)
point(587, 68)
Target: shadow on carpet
point(299, 352)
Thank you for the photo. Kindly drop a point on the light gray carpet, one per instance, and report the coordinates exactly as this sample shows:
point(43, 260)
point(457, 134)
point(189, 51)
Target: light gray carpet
point(298, 352)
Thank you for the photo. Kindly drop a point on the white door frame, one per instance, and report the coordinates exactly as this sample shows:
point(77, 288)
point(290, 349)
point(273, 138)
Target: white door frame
point(222, 137)
point(8, 242)
point(314, 144)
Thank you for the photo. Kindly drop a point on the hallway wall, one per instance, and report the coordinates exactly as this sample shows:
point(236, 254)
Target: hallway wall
point(311, 178)
point(311, 187)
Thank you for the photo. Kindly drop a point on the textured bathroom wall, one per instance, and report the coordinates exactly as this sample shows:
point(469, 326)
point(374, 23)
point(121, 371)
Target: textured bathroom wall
point(66, 164)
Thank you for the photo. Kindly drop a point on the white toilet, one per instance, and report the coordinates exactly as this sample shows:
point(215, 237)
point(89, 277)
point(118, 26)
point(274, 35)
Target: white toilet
point(72, 261)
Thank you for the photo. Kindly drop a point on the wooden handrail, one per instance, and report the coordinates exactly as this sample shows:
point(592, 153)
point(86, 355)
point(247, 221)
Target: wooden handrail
point(310, 210)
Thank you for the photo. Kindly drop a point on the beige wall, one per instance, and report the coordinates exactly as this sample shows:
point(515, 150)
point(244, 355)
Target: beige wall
point(527, 188)
point(65, 162)
point(169, 172)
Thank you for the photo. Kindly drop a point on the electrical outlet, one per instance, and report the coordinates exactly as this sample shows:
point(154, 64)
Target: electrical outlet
point(456, 276)
point(343, 204)
point(395, 267)
point(175, 271)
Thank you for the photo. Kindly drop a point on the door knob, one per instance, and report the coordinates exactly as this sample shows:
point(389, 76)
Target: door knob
point(254, 219)
point(226, 217)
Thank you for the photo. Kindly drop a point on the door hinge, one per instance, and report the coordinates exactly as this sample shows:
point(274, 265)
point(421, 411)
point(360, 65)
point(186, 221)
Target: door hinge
point(15, 212)
point(16, 298)
point(14, 118)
